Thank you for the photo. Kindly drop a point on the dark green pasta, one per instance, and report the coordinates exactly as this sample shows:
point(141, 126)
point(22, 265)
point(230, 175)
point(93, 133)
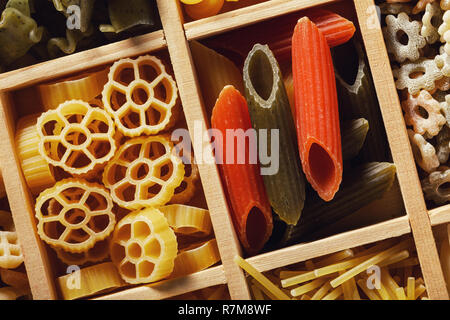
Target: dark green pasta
point(353, 135)
point(362, 186)
point(357, 97)
point(269, 109)
point(33, 31)
point(18, 31)
point(127, 14)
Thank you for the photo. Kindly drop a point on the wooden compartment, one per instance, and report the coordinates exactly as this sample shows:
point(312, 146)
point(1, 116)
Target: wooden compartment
point(438, 214)
point(24, 100)
point(175, 39)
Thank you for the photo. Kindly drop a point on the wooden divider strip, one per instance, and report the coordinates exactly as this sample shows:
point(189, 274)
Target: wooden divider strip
point(195, 117)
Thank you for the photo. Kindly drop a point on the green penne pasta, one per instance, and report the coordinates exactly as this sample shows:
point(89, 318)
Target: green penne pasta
point(363, 185)
point(125, 15)
point(353, 136)
point(269, 109)
point(358, 98)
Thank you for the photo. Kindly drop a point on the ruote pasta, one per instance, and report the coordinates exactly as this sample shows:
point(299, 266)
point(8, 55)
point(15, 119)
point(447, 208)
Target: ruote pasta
point(144, 247)
point(79, 218)
point(144, 172)
point(141, 96)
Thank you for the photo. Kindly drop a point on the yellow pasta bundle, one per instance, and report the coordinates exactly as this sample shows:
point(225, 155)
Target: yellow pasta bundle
point(144, 247)
point(196, 257)
point(76, 137)
point(36, 170)
point(74, 215)
point(10, 252)
point(98, 253)
point(83, 87)
point(141, 96)
point(144, 172)
point(381, 272)
point(88, 281)
point(187, 220)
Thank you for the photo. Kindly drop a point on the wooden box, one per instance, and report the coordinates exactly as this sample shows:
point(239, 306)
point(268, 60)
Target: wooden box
point(405, 200)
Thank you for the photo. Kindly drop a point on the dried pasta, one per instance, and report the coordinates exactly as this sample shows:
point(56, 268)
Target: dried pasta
point(215, 71)
point(144, 172)
point(347, 277)
point(76, 137)
point(353, 137)
point(96, 279)
point(86, 87)
point(363, 185)
point(125, 15)
point(203, 9)
point(187, 220)
point(357, 98)
point(430, 31)
point(188, 187)
point(418, 75)
point(18, 33)
point(144, 247)
point(269, 109)
point(251, 212)
point(433, 186)
point(10, 251)
point(428, 124)
point(195, 258)
point(424, 152)
point(38, 173)
point(141, 96)
point(416, 41)
point(316, 109)
point(98, 253)
point(79, 218)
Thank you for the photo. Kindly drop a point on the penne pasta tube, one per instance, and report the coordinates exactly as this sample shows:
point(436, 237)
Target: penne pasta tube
point(362, 186)
point(270, 114)
point(214, 72)
point(358, 98)
point(353, 137)
point(316, 109)
point(251, 212)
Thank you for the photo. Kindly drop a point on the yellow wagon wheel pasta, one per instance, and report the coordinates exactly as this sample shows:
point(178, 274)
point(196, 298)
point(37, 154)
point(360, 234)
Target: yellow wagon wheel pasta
point(10, 252)
point(85, 87)
point(98, 253)
point(88, 281)
point(76, 137)
point(74, 215)
point(38, 173)
point(140, 95)
point(144, 247)
point(187, 220)
point(144, 172)
point(196, 258)
point(186, 190)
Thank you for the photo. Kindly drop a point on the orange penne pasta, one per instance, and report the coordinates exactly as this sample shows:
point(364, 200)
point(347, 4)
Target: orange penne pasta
point(251, 212)
point(316, 109)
